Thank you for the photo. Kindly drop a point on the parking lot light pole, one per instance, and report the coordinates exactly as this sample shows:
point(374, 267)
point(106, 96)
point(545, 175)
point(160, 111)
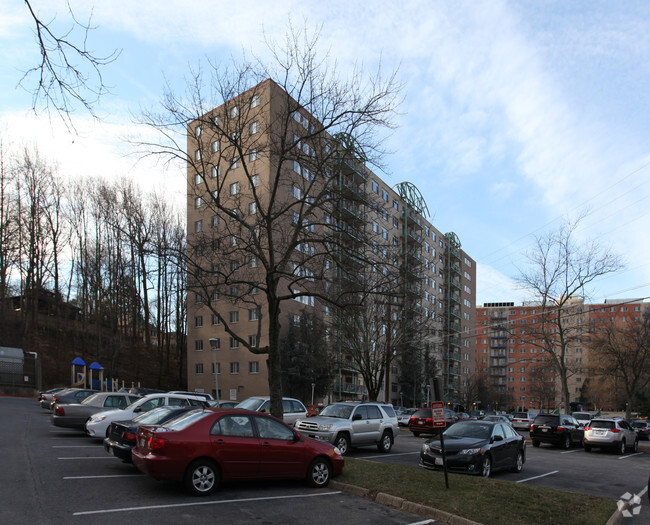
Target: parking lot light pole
point(214, 344)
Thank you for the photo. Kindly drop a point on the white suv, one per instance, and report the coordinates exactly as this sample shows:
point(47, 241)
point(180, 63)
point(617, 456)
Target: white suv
point(292, 409)
point(97, 425)
point(615, 434)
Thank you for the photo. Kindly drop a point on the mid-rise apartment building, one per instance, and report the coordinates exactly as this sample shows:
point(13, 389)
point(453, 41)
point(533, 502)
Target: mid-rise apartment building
point(519, 372)
point(264, 175)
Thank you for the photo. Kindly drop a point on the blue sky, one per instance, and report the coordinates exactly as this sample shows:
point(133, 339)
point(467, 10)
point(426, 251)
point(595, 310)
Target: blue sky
point(515, 114)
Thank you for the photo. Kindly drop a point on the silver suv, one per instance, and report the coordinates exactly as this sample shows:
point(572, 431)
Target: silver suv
point(292, 409)
point(347, 424)
point(614, 433)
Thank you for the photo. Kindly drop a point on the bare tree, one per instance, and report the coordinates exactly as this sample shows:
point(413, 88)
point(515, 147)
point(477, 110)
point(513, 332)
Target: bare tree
point(272, 236)
point(559, 271)
point(9, 223)
point(621, 349)
point(68, 73)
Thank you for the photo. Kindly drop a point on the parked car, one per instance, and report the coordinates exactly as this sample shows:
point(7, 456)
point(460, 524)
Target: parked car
point(75, 415)
point(222, 404)
point(122, 434)
point(641, 428)
point(347, 424)
point(204, 447)
point(498, 418)
point(292, 408)
point(562, 430)
point(208, 397)
point(45, 398)
point(476, 414)
point(583, 418)
point(71, 395)
point(404, 418)
point(97, 424)
point(476, 447)
point(421, 421)
point(613, 433)
point(522, 420)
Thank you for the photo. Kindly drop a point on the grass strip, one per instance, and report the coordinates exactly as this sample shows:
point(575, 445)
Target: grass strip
point(487, 501)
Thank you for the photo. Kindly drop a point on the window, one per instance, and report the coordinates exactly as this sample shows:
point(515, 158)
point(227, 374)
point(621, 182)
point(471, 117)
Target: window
point(215, 320)
point(198, 344)
point(252, 208)
point(234, 163)
point(198, 178)
point(197, 155)
point(234, 111)
point(396, 204)
point(218, 367)
point(234, 317)
point(214, 172)
point(198, 368)
point(216, 121)
point(234, 188)
point(198, 226)
point(234, 368)
point(234, 266)
point(252, 341)
point(375, 186)
point(254, 181)
point(214, 221)
point(254, 367)
point(254, 128)
point(198, 321)
point(255, 101)
point(215, 146)
point(252, 155)
point(253, 314)
point(198, 202)
point(233, 240)
point(198, 298)
point(234, 343)
point(384, 195)
point(252, 262)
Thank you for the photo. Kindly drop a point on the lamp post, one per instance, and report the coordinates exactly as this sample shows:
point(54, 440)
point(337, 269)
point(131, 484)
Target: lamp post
point(214, 344)
point(313, 385)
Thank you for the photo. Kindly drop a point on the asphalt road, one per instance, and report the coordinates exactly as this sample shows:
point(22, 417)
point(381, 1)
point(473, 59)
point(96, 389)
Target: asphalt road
point(51, 475)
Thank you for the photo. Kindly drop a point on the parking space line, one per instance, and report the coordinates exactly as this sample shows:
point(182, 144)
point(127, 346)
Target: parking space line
point(537, 477)
point(630, 455)
point(107, 476)
point(74, 446)
point(89, 457)
point(571, 451)
point(194, 504)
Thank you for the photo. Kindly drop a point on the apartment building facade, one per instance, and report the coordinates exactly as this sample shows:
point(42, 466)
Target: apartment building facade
point(518, 371)
point(265, 183)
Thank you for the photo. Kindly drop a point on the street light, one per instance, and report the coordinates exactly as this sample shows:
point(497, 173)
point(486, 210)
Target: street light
point(313, 385)
point(214, 344)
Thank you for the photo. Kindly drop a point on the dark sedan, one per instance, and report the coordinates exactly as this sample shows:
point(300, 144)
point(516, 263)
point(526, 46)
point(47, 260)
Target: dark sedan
point(71, 395)
point(476, 447)
point(561, 430)
point(205, 446)
point(122, 434)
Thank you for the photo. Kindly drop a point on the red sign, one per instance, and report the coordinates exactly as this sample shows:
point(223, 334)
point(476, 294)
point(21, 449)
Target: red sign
point(438, 414)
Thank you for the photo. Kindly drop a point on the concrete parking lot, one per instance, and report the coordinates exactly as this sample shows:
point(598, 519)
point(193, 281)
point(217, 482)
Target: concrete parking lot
point(54, 475)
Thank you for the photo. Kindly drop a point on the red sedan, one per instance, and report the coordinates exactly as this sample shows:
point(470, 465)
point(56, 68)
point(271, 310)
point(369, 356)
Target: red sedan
point(204, 446)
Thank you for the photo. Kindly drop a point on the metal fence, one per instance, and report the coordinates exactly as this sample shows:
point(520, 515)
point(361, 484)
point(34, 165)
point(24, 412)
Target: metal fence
point(18, 374)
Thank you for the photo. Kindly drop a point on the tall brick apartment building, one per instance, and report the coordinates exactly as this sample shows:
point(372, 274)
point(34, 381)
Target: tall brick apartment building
point(520, 373)
point(261, 153)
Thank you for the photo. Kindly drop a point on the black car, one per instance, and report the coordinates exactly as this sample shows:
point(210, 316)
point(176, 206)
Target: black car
point(122, 434)
point(561, 430)
point(71, 395)
point(476, 447)
point(641, 427)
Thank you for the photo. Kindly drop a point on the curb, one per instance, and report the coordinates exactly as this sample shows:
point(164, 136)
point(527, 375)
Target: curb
point(401, 504)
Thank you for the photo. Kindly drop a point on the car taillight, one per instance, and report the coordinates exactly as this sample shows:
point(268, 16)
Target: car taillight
point(532, 427)
point(430, 420)
point(587, 428)
point(154, 443)
point(615, 430)
point(60, 411)
point(560, 429)
point(128, 435)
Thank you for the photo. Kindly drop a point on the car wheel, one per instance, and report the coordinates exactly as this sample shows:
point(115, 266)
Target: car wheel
point(385, 443)
point(342, 443)
point(519, 462)
point(202, 477)
point(621, 448)
point(416, 434)
point(486, 468)
point(535, 443)
point(319, 473)
point(635, 448)
point(566, 443)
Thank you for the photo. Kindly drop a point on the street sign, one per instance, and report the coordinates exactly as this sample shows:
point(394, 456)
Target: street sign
point(438, 414)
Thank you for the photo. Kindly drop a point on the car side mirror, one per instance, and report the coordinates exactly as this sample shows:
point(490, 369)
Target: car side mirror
point(139, 409)
point(497, 438)
point(356, 417)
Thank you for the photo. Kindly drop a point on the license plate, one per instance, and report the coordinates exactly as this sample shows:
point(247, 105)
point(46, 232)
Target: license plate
point(545, 430)
point(438, 461)
point(599, 432)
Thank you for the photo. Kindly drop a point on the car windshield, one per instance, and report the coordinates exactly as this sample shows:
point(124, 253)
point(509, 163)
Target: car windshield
point(547, 420)
point(185, 420)
point(250, 403)
point(602, 424)
point(340, 411)
point(639, 424)
point(90, 399)
point(521, 415)
point(153, 416)
point(470, 430)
